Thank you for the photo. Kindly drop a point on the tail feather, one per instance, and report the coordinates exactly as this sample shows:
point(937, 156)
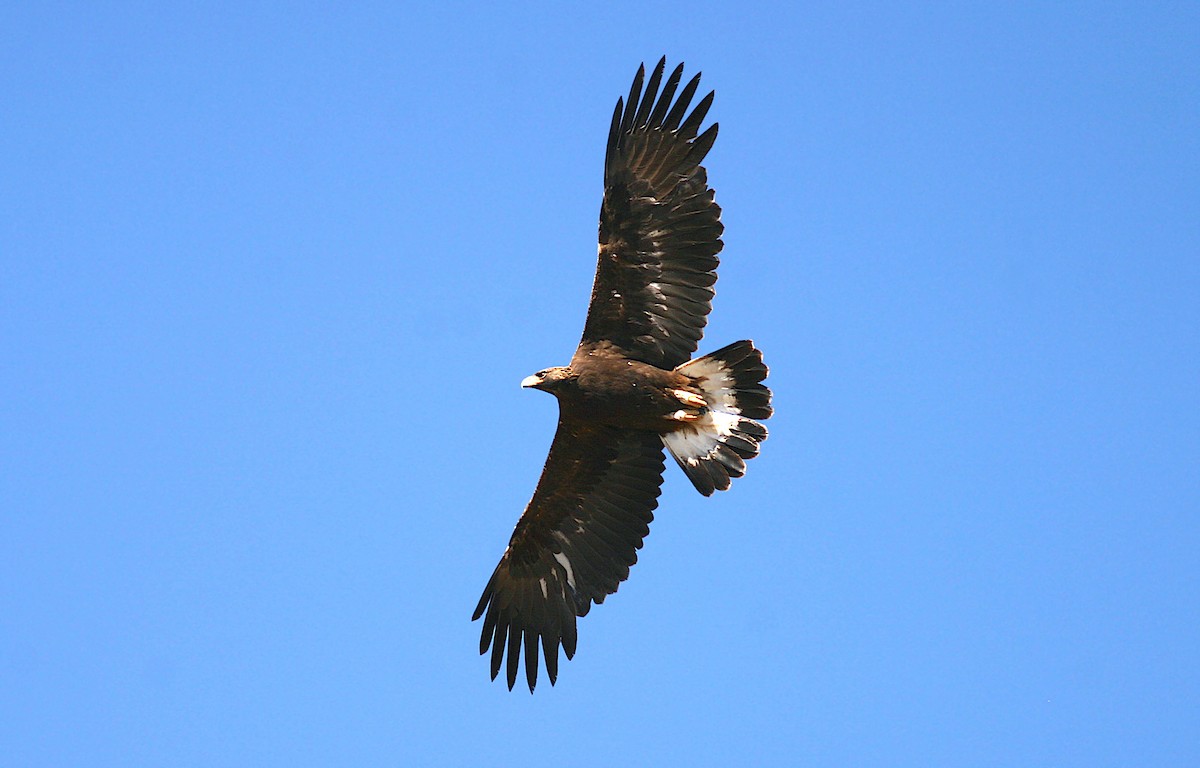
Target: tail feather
point(715, 447)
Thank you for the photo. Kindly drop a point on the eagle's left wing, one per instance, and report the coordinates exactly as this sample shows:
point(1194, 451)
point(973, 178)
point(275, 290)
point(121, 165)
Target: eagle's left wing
point(573, 546)
point(660, 231)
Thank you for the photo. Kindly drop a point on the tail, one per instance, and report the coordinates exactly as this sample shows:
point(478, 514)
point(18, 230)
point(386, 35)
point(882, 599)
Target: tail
point(715, 447)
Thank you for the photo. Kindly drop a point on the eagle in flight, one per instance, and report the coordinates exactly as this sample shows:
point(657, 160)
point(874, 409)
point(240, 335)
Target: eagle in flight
point(631, 387)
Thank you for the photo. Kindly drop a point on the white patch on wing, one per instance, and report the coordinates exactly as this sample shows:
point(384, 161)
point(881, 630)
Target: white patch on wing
point(542, 582)
point(659, 308)
point(566, 564)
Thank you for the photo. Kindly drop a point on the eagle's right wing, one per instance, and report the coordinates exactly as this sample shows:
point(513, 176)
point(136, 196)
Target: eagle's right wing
point(573, 546)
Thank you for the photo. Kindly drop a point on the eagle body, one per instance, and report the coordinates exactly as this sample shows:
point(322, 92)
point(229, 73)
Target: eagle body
point(632, 388)
point(604, 387)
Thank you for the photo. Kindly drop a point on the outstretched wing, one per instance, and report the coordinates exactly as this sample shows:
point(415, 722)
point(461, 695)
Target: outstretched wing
point(573, 546)
point(660, 231)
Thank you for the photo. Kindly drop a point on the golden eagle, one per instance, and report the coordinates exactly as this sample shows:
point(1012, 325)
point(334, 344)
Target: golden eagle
point(631, 387)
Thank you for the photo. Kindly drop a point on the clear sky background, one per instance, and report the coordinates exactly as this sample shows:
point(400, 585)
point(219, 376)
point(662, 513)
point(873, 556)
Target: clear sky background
point(270, 276)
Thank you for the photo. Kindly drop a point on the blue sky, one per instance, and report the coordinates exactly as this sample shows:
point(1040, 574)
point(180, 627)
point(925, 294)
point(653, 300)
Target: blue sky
point(270, 276)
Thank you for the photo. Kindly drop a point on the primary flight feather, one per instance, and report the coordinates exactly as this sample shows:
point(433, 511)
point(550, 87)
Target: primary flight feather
point(631, 387)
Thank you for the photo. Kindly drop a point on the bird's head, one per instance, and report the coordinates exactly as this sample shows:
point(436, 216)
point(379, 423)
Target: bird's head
point(547, 380)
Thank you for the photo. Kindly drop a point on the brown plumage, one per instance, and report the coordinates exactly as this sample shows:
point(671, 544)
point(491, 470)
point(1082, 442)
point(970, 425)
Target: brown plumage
point(631, 387)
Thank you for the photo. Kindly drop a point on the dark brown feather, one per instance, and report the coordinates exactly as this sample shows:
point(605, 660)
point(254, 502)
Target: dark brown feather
point(660, 230)
point(592, 506)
